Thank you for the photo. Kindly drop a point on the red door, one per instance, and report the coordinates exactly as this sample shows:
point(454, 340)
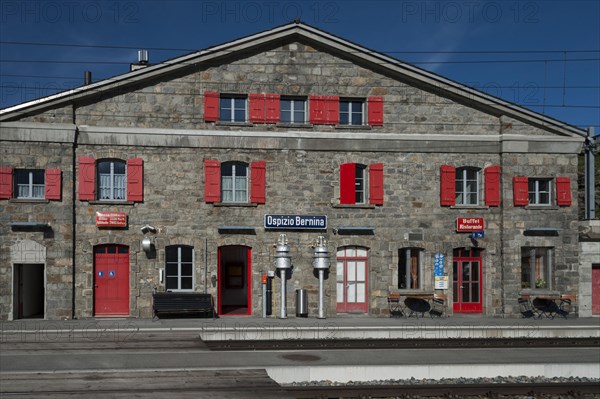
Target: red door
point(111, 280)
point(596, 289)
point(352, 273)
point(467, 282)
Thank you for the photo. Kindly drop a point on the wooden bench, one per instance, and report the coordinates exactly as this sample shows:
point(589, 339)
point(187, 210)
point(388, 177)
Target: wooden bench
point(182, 304)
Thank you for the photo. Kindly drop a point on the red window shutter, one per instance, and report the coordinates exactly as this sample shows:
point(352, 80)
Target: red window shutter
point(376, 184)
point(6, 182)
point(272, 108)
point(447, 185)
point(87, 179)
point(317, 110)
point(257, 108)
point(375, 107)
point(520, 191)
point(211, 106)
point(348, 183)
point(332, 110)
point(135, 179)
point(492, 185)
point(257, 182)
point(563, 191)
point(52, 181)
point(212, 181)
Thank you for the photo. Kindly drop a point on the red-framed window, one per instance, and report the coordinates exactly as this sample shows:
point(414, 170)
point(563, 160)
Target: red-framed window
point(30, 183)
point(541, 191)
point(462, 186)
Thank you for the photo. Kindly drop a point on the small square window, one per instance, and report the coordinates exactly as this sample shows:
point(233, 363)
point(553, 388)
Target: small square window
point(351, 112)
point(293, 110)
point(232, 108)
point(540, 191)
point(30, 183)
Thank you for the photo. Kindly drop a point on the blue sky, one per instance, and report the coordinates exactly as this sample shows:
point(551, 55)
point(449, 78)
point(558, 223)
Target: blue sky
point(540, 54)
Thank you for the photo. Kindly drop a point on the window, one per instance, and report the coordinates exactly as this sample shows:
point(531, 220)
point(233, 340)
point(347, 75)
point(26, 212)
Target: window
point(536, 268)
point(467, 186)
point(29, 184)
point(360, 184)
point(351, 112)
point(462, 186)
point(293, 110)
point(539, 191)
point(179, 268)
point(409, 268)
point(111, 179)
point(234, 182)
point(232, 108)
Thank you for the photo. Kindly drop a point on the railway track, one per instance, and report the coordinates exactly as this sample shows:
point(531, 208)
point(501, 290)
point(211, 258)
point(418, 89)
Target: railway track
point(404, 343)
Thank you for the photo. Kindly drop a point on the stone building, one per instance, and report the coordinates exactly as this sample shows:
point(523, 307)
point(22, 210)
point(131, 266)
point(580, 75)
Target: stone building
point(417, 183)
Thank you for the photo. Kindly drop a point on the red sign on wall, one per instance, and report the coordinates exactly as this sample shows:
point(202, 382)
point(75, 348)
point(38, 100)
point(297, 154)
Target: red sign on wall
point(111, 219)
point(469, 224)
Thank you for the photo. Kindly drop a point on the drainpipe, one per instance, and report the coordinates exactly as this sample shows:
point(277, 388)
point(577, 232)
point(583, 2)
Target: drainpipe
point(590, 166)
point(74, 215)
point(205, 263)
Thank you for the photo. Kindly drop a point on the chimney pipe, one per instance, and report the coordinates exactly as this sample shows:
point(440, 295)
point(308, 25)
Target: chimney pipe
point(87, 78)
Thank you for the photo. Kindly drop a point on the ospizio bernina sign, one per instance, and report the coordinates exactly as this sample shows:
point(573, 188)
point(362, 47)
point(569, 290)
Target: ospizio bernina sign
point(469, 224)
point(295, 222)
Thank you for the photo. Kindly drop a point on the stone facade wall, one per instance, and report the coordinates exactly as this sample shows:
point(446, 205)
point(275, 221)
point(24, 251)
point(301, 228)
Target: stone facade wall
point(56, 241)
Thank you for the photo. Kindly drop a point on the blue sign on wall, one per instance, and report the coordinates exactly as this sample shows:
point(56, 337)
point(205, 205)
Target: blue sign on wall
point(438, 265)
point(295, 222)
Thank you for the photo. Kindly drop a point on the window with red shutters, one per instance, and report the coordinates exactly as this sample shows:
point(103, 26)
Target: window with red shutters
point(211, 106)
point(376, 184)
point(6, 182)
point(87, 179)
point(447, 185)
point(520, 191)
point(347, 183)
point(135, 179)
point(53, 184)
point(563, 191)
point(492, 185)
point(375, 111)
point(212, 181)
point(257, 182)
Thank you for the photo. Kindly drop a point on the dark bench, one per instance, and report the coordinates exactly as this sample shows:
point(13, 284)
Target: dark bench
point(182, 304)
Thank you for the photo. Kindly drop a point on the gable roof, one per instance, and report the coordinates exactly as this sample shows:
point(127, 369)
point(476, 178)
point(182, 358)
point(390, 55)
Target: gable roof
point(297, 29)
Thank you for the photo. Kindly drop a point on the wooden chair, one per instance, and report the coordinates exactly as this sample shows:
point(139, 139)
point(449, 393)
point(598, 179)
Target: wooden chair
point(526, 309)
point(438, 305)
point(395, 305)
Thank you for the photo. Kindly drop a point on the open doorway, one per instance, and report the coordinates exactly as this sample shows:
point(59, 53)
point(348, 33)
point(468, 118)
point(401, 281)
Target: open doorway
point(29, 291)
point(235, 285)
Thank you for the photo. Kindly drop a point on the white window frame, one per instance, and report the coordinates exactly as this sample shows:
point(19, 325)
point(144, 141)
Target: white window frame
point(535, 192)
point(360, 195)
point(29, 190)
point(462, 186)
point(113, 187)
point(531, 253)
point(179, 264)
point(234, 183)
point(407, 253)
point(350, 113)
point(296, 105)
point(231, 98)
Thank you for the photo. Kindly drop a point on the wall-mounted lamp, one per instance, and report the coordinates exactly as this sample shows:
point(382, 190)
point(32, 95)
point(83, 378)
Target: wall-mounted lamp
point(147, 244)
point(148, 229)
